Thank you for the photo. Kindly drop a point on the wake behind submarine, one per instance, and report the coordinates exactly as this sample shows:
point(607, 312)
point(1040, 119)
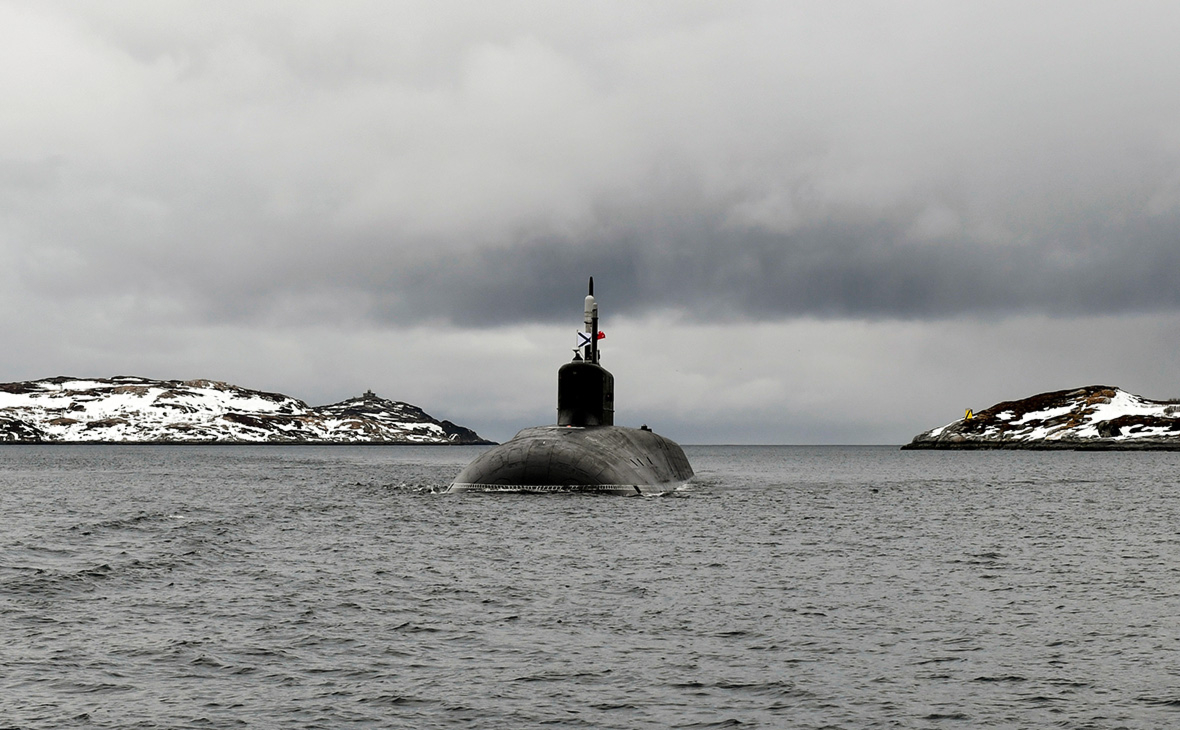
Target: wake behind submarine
point(585, 451)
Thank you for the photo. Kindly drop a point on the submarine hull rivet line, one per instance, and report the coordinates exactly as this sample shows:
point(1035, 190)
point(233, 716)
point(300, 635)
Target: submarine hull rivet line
point(585, 451)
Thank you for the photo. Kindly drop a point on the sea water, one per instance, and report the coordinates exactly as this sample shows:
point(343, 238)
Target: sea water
point(785, 587)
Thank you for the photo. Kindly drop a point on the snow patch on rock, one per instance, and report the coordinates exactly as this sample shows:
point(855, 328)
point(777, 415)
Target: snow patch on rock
point(1096, 416)
point(134, 409)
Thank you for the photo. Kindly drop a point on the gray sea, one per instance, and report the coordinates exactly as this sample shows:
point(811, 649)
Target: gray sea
point(785, 587)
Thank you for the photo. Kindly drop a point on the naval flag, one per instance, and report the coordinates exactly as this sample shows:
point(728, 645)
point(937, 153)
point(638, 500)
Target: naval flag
point(584, 338)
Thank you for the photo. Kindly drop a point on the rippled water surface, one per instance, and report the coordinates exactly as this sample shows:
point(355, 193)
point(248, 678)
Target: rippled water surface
point(295, 587)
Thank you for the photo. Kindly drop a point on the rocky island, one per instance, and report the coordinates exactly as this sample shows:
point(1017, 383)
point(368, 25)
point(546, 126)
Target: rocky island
point(1097, 417)
point(129, 409)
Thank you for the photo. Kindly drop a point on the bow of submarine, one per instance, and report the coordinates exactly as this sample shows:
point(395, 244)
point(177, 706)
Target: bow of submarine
point(609, 459)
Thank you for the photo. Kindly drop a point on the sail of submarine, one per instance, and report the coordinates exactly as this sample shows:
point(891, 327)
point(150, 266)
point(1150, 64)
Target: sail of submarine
point(585, 451)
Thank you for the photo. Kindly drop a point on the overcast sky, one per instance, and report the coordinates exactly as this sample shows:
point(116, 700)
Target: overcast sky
point(808, 222)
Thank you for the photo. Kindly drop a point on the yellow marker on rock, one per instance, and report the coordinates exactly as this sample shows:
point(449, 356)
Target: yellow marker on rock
point(970, 414)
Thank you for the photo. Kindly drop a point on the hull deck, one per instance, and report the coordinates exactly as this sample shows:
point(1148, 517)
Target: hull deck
point(600, 459)
point(623, 490)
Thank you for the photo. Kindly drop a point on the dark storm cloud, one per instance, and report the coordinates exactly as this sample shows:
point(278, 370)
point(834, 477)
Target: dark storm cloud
point(841, 269)
point(693, 262)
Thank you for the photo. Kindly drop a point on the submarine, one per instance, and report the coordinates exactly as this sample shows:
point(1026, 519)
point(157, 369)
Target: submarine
point(585, 451)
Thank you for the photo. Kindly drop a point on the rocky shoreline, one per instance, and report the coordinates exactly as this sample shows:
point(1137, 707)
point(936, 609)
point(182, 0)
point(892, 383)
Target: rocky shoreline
point(1093, 418)
point(1056, 445)
point(135, 410)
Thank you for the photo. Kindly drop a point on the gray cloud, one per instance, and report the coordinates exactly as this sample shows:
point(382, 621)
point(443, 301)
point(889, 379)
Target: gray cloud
point(458, 166)
point(843, 269)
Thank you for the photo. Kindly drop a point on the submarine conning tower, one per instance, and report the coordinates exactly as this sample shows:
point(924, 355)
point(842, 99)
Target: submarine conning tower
point(585, 451)
point(585, 389)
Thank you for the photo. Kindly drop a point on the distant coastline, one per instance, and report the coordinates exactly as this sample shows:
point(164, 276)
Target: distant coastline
point(239, 443)
point(1093, 418)
point(135, 410)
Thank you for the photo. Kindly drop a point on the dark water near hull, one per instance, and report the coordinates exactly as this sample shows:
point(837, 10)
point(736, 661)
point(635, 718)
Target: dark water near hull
point(180, 587)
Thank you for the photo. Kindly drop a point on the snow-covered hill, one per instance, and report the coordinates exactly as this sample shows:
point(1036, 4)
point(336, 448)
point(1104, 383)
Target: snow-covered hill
point(1094, 417)
point(133, 409)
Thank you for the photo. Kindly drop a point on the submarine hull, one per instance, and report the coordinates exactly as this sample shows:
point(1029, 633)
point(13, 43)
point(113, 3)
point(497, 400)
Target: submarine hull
point(599, 459)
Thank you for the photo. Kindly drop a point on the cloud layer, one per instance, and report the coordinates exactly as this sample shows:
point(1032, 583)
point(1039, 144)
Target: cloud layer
point(431, 161)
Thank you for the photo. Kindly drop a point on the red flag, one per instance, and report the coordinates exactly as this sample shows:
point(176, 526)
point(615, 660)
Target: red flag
point(601, 335)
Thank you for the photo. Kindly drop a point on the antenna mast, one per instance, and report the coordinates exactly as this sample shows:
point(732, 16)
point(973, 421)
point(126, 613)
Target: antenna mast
point(591, 320)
